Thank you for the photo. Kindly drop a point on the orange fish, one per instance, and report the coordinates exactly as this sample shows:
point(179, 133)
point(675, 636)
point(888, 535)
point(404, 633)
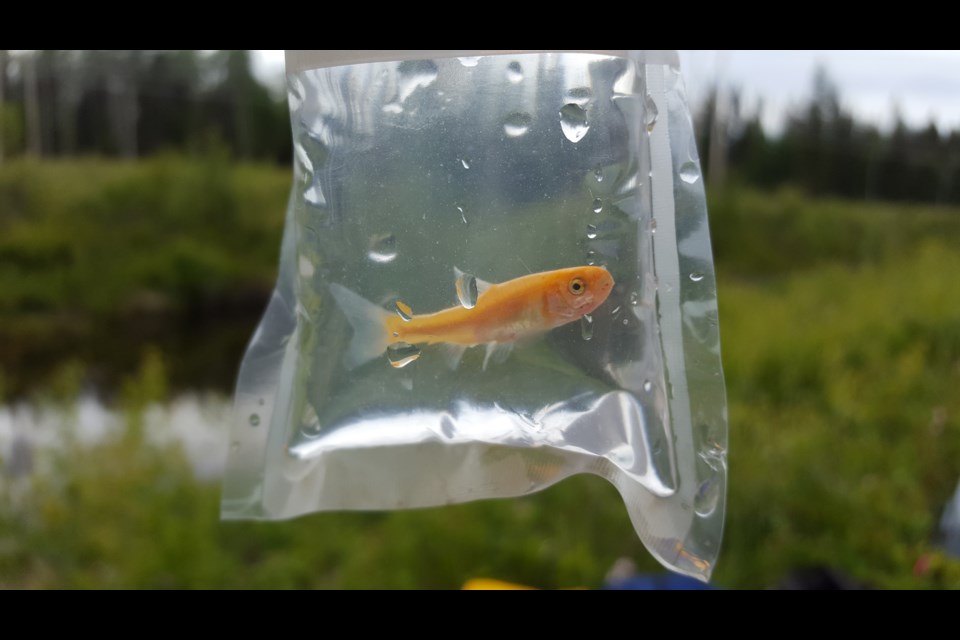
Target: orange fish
point(503, 313)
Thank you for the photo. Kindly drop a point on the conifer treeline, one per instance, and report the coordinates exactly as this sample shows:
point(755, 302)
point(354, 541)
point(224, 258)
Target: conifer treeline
point(137, 103)
point(825, 150)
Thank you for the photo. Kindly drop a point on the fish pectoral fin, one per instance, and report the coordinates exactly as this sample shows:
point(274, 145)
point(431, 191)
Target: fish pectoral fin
point(498, 352)
point(452, 353)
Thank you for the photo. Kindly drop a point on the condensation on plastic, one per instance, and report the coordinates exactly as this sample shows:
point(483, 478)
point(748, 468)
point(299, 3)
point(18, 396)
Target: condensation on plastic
point(498, 165)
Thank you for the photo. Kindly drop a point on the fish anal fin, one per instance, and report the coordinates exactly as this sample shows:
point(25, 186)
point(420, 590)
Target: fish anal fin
point(498, 352)
point(452, 353)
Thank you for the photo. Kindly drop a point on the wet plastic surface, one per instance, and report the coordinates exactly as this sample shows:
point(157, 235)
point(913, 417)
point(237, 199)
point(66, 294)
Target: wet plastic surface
point(416, 180)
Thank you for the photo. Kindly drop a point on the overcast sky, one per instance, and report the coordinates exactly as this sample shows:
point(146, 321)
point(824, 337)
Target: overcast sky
point(923, 85)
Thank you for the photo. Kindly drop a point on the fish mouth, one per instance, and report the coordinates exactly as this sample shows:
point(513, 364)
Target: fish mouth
point(601, 291)
point(605, 286)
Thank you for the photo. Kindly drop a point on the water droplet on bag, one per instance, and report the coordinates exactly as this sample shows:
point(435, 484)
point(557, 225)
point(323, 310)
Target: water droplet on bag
point(598, 174)
point(401, 354)
point(470, 61)
point(597, 205)
point(467, 290)
point(311, 429)
point(404, 311)
point(413, 74)
point(626, 321)
point(254, 420)
point(392, 107)
point(465, 162)
point(653, 225)
point(302, 158)
point(615, 312)
point(689, 172)
point(516, 124)
point(647, 386)
point(591, 231)
point(696, 276)
point(634, 298)
point(586, 326)
point(708, 494)
point(295, 92)
point(463, 216)
point(383, 247)
point(573, 122)
point(313, 196)
point(305, 267)
point(650, 114)
point(514, 72)
point(579, 96)
point(714, 456)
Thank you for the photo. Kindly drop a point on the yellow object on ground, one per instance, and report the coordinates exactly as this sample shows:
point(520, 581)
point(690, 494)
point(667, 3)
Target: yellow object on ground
point(488, 584)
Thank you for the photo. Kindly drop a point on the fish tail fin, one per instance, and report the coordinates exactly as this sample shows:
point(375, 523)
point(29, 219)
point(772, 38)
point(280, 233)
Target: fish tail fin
point(369, 322)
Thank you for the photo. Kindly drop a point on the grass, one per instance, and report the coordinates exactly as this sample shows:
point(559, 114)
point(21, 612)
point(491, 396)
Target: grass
point(845, 442)
point(93, 236)
point(840, 330)
point(98, 259)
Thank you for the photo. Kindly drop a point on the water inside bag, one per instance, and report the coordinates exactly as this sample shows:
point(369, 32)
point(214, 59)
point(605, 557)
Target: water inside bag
point(414, 180)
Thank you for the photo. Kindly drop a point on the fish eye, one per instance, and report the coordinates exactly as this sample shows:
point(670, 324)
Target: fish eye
point(577, 286)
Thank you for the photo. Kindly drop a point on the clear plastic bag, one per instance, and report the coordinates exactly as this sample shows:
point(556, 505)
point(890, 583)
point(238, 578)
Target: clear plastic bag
point(417, 180)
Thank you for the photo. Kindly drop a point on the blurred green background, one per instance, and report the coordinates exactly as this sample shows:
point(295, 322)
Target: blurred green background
point(142, 196)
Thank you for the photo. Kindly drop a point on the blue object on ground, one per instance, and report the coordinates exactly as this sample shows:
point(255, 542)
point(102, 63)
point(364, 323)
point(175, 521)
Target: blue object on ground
point(657, 582)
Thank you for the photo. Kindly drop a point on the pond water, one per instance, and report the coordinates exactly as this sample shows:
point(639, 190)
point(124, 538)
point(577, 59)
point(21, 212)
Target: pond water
point(196, 422)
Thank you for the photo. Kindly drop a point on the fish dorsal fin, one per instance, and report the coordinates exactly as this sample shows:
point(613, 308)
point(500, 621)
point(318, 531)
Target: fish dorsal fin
point(469, 287)
point(482, 285)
